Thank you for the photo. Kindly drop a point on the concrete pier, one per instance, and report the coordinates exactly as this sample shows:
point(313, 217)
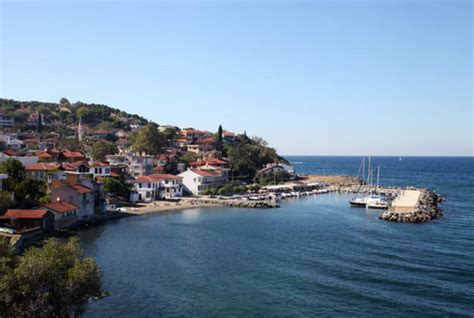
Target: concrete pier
point(406, 202)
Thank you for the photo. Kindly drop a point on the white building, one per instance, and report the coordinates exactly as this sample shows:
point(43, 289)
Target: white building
point(100, 169)
point(11, 142)
point(6, 121)
point(196, 181)
point(273, 168)
point(139, 165)
point(157, 186)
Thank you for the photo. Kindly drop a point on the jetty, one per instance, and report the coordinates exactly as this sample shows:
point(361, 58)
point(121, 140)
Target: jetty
point(414, 206)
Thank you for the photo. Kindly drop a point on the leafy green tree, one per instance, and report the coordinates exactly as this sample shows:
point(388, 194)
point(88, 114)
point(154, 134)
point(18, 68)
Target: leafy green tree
point(26, 190)
point(6, 201)
point(247, 156)
point(149, 140)
point(115, 186)
point(52, 281)
point(72, 144)
point(101, 149)
point(14, 169)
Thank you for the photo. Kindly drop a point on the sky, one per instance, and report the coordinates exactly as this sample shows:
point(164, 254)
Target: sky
point(310, 77)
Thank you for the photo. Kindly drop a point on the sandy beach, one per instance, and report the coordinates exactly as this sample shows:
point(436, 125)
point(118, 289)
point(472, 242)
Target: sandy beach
point(166, 206)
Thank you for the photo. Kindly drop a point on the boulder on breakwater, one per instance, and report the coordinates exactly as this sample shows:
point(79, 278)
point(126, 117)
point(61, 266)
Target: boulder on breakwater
point(258, 204)
point(427, 209)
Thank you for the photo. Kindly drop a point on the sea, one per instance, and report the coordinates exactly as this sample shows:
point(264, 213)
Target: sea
point(314, 256)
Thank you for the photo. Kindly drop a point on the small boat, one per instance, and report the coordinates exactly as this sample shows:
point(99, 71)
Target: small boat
point(359, 202)
point(379, 203)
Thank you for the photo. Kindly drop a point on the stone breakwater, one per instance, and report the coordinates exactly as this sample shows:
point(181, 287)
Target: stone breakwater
point(426, 209)
point(257, 204)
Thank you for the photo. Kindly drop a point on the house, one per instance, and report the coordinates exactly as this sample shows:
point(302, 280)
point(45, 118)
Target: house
point(158, 186)
point(21, 220)
point(65, 213)
point(81, 167)
point(11, 142)
point(196, 181)
point(229, 137)
point(71, 156)
point(79, 190)
point(6, 121)
point(83, 190)
point(39, 171)
point(138, 164)
point(273, 168)
point(100, 169)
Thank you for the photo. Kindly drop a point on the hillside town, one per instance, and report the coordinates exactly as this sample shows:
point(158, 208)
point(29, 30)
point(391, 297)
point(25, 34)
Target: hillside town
point(76, 163)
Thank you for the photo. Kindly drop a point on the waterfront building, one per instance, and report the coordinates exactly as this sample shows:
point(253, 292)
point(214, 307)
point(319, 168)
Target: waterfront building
point(157, 186)
point(65, 213)
point(20, 220)
point(197, 181)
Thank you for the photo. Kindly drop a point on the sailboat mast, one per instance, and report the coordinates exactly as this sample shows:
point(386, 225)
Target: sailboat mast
point(378, 177)
point(363, 170)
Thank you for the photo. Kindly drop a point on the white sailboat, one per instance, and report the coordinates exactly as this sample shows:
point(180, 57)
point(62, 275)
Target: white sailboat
point(362, 201)
point(376, 200)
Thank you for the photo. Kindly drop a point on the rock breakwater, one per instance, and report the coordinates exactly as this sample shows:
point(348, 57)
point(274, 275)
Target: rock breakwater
point(426, 209)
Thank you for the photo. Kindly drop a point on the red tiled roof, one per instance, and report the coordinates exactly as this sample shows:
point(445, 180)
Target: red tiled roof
point(61, 206)
point(206, 173)
point(42, 167)
point(44, 154)
point(24, 214)
point(80, 188)
point(72, 154)
point(99, 164)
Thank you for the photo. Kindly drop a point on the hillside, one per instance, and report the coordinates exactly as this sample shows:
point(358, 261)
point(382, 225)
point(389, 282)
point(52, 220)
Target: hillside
point(57, 116)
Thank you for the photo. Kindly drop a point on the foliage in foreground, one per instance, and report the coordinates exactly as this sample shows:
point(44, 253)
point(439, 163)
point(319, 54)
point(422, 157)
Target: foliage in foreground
point(52, 281)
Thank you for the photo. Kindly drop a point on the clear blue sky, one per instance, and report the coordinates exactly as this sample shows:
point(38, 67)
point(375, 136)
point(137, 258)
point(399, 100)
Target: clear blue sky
point(314, 77)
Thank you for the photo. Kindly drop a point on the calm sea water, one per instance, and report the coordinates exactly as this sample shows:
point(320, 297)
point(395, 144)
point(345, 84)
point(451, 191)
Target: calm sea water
point(314, 256)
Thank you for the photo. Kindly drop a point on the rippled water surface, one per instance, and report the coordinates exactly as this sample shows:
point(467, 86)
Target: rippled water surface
point(313, 256)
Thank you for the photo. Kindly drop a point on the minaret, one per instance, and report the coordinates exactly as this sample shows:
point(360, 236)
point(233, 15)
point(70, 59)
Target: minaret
point(79, 129)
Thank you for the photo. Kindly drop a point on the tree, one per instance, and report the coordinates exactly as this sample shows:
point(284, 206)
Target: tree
point(26, 190)
point(101, 149)
point(72, 144)
point(247, 156)
point(148, 140)
point(65, 102)
point(220, 137)
point(6, 201)
point(52, 281)
point(114, 186)
point(82, 112)
point(14, 169)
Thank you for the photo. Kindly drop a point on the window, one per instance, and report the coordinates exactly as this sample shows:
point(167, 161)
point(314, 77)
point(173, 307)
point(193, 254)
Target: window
point(71, 198)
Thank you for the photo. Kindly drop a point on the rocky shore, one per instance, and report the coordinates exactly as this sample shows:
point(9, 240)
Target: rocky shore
point(427, 209)
point(258, 204)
